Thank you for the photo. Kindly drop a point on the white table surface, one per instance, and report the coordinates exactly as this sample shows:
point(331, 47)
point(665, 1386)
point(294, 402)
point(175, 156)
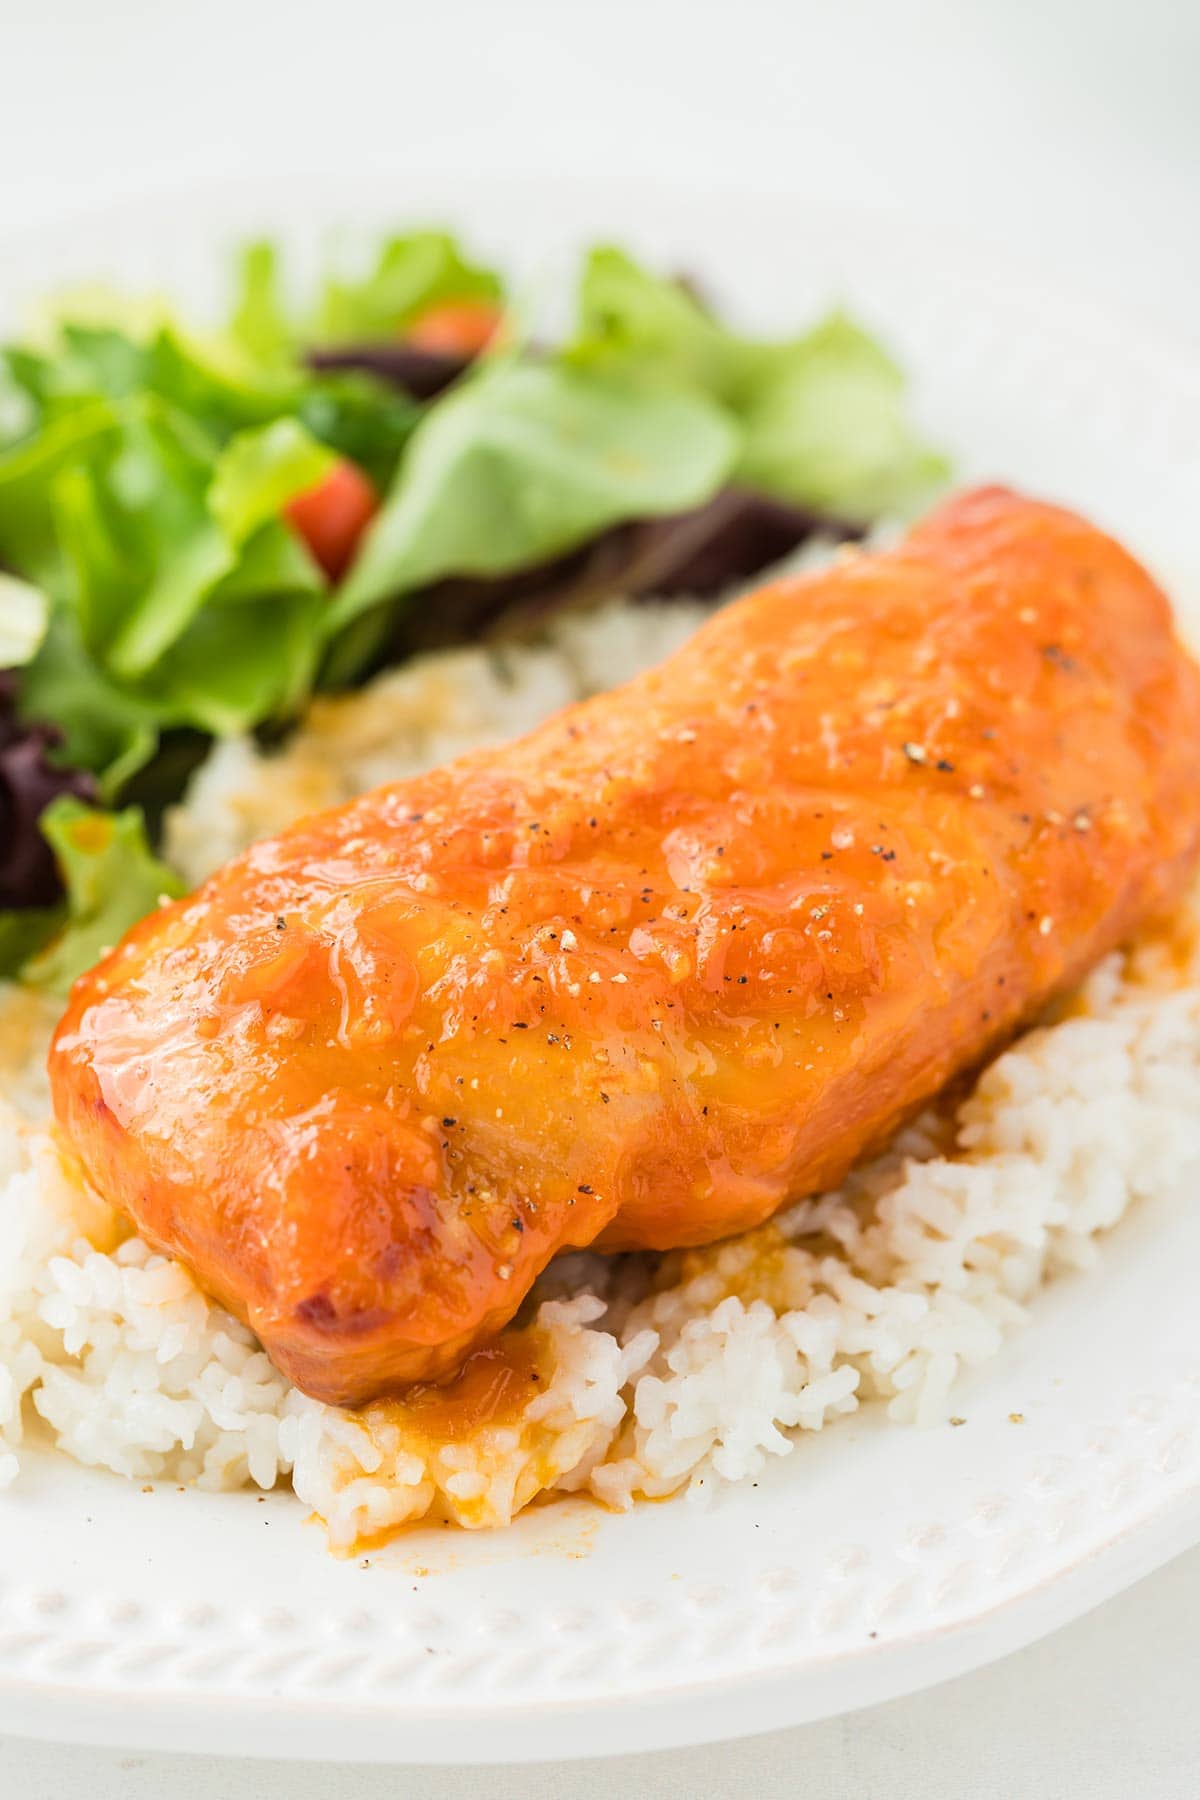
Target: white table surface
point(1067, 135)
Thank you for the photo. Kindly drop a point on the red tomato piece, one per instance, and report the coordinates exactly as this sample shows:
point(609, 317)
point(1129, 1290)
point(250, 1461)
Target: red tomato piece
point(455, 327)
point(332, 516)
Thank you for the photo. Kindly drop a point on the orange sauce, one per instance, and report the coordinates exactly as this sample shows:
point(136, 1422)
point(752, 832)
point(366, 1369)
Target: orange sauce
point(493, 1387)
point(1174, 939)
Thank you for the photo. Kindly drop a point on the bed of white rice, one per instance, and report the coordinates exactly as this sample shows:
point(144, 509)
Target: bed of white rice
point(656, 1376)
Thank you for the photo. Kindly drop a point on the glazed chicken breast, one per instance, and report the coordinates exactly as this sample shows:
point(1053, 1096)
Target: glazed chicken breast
point(679, 956)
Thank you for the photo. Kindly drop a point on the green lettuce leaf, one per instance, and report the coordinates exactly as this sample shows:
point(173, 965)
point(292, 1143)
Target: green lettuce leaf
point(652, 327)
point(826, 426)
point(237, 666)
point(259, 323)
point(822, 416)
point(526, 460)
point(111, 880)
point(28, 542)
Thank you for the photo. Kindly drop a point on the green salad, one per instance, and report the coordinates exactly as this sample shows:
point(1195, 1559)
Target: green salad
point(198, 529)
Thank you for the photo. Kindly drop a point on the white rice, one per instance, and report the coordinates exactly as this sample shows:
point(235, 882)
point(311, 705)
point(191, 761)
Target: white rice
point(687, 1374)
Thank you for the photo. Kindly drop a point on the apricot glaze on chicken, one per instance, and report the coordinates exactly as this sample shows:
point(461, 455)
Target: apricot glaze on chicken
point(680, 955)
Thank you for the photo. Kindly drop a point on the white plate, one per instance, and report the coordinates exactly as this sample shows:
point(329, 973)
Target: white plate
point(876, 1559)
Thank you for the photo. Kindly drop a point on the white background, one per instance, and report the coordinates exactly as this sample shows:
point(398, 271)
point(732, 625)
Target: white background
point(1065, 135)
